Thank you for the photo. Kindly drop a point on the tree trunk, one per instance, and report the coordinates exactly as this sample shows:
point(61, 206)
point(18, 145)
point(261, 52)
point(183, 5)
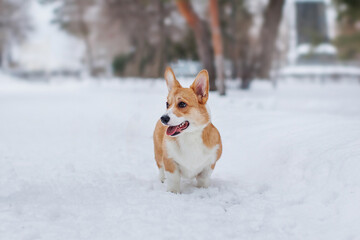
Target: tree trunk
point(1, 56)
point(247, 65)
point(233, 42)
point(203, 44)
point(89, 56)
point(246, 78)
point(217, 45)
point(5, 58)
point(162, 43)
point(133, 67)
point(156, 67)
point(268, 36)
point(258, 63)
point(85, 32)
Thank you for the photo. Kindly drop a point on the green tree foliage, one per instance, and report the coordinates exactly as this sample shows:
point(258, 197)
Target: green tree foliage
point(348, 41)
point(348, 10)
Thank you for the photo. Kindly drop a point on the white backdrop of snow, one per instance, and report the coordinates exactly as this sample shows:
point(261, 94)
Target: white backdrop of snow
point(77, 163)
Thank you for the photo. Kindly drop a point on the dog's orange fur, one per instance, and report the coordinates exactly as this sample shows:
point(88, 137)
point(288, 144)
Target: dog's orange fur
point(195, 106)
point(211, 137)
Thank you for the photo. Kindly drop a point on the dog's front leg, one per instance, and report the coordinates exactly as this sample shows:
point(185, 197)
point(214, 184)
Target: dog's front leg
point(172, 174)
point(161, 174)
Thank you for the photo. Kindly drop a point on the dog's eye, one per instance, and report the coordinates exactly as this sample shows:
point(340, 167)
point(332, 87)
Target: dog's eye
point(182, 104)
point(167, 105)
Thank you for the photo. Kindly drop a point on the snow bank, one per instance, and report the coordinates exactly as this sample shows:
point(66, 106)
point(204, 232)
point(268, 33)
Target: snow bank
point(77, 163)
point(322, 71)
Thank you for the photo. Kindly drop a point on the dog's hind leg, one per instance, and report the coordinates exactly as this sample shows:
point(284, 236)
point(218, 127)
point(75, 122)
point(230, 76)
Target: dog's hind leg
point(203, 178)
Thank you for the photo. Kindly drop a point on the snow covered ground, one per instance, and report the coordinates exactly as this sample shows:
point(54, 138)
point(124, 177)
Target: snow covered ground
point(76, 162)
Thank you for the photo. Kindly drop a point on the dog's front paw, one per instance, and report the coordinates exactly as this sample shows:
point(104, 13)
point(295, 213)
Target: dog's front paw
point(173, 181)
point(202, 185)
point(173, 189)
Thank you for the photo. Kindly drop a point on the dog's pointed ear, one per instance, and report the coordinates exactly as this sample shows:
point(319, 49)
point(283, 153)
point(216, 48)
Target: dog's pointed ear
point(171, 81)
point(201, 86)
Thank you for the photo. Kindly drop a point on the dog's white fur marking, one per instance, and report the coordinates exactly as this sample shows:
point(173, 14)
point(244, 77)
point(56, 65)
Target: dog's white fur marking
point(173, 181)
point(203, 178)
point(161, 174)
point(190, 153)
point(170, 80)
point(208, 110)
point(174, 120)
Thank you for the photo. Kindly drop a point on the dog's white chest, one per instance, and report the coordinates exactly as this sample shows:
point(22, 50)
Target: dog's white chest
point(190, 153)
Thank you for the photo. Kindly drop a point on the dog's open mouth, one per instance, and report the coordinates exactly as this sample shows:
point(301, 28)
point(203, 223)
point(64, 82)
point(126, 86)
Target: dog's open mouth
point(175, 130)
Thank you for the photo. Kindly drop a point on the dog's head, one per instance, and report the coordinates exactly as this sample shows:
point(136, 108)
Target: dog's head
point(186, 107)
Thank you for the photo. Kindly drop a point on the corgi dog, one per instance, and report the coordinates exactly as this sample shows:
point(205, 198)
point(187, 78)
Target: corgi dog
point(186, 143)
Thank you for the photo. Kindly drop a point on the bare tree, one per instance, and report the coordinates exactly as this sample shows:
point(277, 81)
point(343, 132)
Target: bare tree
point(203, 42)
point(217, 45)
point(143, 23)
point(259, 61)
point(236, 20)
point(14, 26)
point(268, 36)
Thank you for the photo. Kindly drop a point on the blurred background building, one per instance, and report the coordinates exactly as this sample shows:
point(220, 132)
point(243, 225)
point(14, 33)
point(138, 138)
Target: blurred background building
point(312, 28)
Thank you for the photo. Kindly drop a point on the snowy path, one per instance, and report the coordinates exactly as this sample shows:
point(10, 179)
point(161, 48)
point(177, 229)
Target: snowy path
point(76, 162)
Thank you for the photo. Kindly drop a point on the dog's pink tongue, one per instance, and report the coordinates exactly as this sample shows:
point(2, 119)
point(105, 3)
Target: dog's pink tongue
point(171, 130)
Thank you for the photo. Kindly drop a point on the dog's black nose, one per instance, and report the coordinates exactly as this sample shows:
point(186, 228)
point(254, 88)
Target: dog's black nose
point(165, 119)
